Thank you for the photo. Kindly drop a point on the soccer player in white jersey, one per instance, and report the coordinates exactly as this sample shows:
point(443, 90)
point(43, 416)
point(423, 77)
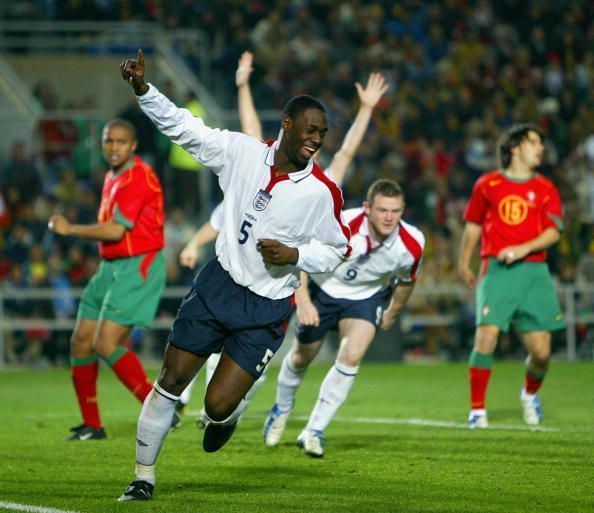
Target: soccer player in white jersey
point(281, 216)
point(385, 263)
point(369, 96)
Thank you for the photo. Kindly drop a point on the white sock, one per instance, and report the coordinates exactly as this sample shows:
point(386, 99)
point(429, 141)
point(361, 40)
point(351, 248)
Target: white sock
point(525, 396)
point(187, 393)
point(289, 380)
point(333, 392)
point(153, 425)
point(231, 418)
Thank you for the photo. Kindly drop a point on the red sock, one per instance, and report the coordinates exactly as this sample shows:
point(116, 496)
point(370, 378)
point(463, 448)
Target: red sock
point(532, 383)
point(84, 379)
point(129, 371)
point(479, 379)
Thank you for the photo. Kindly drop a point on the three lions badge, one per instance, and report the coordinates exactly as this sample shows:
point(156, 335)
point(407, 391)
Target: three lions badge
point(261, 200)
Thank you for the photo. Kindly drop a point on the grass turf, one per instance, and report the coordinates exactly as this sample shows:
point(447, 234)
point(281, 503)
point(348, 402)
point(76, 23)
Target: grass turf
point(378, 456)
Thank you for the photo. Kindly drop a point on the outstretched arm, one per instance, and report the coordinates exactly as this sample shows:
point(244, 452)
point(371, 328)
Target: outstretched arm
point(375, 89)
point(248, 117)
point(209, 146)
point(109, 231)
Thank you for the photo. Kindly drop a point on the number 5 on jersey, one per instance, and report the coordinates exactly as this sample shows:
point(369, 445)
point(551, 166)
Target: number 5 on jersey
point(243, 234)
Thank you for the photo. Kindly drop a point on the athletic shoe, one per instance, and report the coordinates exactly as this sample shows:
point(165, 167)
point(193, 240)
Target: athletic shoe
point(274, 425)
point(175, 421)
point(477, 419)
point(137, 491)
point(201, 420)
point(312, 442)
point(217, 435)
point(532, 408)
point(84, 433)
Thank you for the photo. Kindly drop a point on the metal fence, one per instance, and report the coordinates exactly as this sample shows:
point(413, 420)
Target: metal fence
point(440, 306)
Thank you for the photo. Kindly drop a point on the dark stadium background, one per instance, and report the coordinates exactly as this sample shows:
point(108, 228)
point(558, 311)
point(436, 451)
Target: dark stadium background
point(459, 72)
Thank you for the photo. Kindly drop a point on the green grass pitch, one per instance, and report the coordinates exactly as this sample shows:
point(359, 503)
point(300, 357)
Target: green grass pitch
point(399, 444)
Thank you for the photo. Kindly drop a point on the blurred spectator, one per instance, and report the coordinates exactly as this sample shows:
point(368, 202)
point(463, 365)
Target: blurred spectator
point(19, 171)
point(459, 72)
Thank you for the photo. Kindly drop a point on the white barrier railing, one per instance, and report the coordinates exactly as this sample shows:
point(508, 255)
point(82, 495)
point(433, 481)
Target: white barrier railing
point(571, 296)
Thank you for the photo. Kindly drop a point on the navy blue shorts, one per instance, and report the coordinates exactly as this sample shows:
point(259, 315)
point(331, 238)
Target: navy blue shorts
point(331, 310)
point(217, 314)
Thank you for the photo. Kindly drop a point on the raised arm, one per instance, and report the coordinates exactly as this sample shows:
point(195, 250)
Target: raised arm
point(369, 96)
point(133, 72)
point(248, 117)
point(209, 146)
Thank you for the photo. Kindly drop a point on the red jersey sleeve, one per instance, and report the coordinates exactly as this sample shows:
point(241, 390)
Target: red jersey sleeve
point(477, 205)
point(553, 211)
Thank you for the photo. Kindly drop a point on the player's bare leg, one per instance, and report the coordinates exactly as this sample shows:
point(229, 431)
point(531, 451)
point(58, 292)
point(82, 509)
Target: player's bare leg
point(291, 374)
point(356, 336)
point(480, 365)
point(538, 344)
point(224, 402)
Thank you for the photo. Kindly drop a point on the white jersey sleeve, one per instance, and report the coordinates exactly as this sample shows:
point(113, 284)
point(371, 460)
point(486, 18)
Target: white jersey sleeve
point(209, 146)
point(316, 257)
point(217, 218)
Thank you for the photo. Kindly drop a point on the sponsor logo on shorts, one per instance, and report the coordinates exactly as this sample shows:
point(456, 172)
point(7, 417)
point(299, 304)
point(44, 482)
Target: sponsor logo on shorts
point(486, 310)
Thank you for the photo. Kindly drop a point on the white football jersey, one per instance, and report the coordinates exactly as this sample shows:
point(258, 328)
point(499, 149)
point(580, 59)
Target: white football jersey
point(373, 266)
point(300, 209)
point(216, 218)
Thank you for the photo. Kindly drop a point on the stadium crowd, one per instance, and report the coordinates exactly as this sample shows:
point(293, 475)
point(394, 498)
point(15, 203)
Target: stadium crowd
point(459, 71)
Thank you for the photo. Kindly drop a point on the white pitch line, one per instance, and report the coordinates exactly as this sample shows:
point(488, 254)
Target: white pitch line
point(15, 506)
point(427, 423)
point(362, 420)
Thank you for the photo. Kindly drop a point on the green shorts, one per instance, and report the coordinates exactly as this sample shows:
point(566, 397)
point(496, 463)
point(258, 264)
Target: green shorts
point(125, 290)
point(522, 294)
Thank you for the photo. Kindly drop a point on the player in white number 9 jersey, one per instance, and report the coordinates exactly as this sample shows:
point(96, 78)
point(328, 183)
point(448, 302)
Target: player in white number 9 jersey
point(384, 265)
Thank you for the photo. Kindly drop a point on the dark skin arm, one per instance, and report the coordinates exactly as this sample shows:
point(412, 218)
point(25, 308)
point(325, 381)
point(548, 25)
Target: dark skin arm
point(133, 72)
point(277, 253)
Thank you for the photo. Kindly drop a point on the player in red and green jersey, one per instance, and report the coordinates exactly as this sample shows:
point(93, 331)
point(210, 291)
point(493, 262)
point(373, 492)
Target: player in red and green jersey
point(128, 284)
point(516, 213)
